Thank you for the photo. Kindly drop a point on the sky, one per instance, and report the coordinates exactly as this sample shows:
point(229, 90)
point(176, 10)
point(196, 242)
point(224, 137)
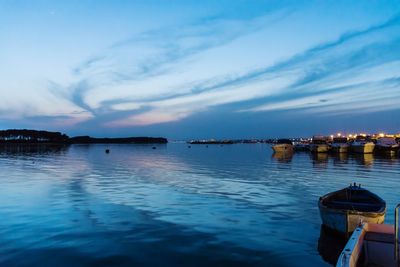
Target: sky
point(200, 69)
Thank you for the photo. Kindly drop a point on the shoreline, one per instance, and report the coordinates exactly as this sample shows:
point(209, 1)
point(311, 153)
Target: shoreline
point(15, 136)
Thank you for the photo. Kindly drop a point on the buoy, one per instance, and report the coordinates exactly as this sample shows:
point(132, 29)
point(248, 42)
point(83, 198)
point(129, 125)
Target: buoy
point(107, 151)
point(153, 147)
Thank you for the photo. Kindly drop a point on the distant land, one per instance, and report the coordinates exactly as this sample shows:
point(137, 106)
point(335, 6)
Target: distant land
point(126, 140)
point(25, 136)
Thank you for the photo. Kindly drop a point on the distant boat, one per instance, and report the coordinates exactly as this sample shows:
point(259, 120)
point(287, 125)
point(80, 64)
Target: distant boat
point(283, 146)
point(339, 145)
point(319, 144)
point(301, 146)
point(386, 145)
point(371, 245)
point(211, 142)
point(345, 209)
point(362, 145)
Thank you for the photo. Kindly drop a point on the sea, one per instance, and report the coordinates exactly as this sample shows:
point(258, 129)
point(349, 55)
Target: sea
point(176, 205)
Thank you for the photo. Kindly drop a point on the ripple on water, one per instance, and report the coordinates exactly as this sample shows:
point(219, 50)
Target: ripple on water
point(232, 205)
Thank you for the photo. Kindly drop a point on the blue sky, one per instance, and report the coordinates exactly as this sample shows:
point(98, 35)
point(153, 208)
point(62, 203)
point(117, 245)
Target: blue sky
point(192, 69)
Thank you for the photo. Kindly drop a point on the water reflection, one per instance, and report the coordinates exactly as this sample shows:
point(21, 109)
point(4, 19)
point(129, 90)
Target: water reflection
point(219, 205)
point(24, 149)
point(283, 157)
point(330, 244)
point(388, 157)
point(364, 159)
point(340, 158)
point(319, 159)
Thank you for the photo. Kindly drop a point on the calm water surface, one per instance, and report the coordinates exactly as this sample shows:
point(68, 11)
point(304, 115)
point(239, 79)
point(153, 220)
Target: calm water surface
point(233, 205)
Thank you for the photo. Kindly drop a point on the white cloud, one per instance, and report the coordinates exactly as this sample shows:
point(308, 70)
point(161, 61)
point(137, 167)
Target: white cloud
point(285, 59)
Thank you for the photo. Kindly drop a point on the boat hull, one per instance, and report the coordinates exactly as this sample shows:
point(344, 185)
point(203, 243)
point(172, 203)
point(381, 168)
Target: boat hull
point(301, 148)
point(343, 148)
point(319, 148)
point(387, 149)
point(283, 148)
point(363, 149)
point(346, 221)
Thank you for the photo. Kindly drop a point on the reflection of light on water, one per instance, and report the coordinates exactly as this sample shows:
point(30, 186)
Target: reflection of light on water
point(341, 157)
point(319, 160)
point(202, 201)
point(240, 194)
point(283, 156)
point(366, 160)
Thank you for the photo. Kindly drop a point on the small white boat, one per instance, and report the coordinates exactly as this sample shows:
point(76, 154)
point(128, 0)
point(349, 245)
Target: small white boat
point(283, 146)
point(373, 245)
point(339, 145)
point(386, 145)
point(345, 209)
point(362, 145)
point(319, 144)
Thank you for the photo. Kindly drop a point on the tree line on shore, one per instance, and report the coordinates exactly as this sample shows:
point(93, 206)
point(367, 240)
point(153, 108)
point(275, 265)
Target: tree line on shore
point(34, 136)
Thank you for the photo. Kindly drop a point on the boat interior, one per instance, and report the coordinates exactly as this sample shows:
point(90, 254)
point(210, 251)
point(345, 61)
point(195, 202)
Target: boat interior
point(354, 198)
point(378, 250)
point(373, 245)
point(377, 247)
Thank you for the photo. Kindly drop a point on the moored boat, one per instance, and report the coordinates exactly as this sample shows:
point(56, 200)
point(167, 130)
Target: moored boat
point(319, 144)
point(339, 145)
point(283, 146)
point(386, 145)
point(362, 145)
point(301, 146)
point(345, 209)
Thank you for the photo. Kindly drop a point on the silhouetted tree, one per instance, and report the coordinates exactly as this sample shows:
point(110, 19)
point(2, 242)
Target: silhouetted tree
point(32, 136)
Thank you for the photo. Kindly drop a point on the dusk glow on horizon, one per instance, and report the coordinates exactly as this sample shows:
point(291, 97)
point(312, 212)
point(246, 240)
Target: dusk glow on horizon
point(190, 69)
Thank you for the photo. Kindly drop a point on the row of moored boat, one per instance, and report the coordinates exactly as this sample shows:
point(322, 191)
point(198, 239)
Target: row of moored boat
point(321, 144)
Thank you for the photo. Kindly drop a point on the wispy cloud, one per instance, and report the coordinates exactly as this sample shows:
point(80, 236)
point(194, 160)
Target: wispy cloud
point(359, 66)
point(351, 74)
point(143, 71)
point(162, 75)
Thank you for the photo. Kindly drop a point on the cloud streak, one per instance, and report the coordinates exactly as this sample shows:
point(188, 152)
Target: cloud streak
point(308, 81)
point(268, 60)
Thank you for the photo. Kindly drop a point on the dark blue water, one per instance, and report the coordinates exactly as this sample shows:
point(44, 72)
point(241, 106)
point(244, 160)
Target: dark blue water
point(229, 205)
